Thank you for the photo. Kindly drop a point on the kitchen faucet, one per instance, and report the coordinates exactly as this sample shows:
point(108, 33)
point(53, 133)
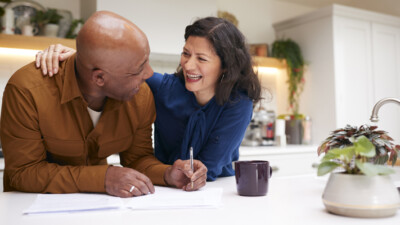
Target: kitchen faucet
point(375, 110)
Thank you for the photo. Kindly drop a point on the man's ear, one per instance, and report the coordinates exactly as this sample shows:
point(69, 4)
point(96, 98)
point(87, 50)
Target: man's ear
point(98, 77)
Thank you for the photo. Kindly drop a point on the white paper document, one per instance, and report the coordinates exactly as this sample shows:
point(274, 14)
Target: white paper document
point(163, 198)
point(171, 198)
point(50, 203)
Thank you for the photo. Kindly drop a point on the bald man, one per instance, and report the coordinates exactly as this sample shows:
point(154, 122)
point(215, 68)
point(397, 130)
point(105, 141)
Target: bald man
point(57, 133)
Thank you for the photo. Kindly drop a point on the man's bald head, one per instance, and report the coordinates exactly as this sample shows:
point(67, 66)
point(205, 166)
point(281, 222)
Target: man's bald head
point(112, 59)
point(108, 40)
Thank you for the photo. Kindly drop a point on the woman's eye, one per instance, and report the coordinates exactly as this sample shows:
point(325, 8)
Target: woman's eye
point(185, 54)
point(202, 59)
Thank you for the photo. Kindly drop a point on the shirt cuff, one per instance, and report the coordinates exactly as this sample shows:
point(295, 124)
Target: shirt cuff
point(92, 179)
point(156, 174)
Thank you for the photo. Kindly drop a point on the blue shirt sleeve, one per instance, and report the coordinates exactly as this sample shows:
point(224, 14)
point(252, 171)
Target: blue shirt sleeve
point(155, 82)
point(222, 146)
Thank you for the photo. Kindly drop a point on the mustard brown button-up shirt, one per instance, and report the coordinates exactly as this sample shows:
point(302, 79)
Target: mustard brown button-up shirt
point(50, 145)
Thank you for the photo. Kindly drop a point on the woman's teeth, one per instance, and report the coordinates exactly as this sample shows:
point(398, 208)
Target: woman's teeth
point(194, 77)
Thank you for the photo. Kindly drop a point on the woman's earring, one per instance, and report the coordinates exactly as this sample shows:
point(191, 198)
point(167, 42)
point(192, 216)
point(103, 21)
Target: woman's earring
point(222, 78)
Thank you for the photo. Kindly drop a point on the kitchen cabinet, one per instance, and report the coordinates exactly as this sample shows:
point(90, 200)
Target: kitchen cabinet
point(285, 161)
point(353, 59)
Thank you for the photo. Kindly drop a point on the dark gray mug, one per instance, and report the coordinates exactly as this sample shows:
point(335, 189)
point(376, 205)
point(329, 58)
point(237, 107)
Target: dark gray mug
point(252, 177)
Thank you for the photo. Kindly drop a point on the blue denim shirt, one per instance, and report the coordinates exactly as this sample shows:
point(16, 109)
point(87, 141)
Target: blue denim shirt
point(215, 132)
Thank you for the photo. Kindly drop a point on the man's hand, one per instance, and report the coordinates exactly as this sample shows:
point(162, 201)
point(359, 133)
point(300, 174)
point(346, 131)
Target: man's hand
point(181, 176)
point(120, 180)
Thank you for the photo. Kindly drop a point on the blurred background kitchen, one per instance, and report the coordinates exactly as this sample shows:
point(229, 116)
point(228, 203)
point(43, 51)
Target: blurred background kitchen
point(351, 50)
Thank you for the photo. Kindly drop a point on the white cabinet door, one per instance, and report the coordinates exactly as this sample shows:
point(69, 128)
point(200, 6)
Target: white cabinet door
point(353, 75)
point(386, 75)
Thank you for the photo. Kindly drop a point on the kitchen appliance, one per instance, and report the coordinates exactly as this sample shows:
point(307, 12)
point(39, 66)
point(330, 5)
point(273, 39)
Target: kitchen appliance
point(252, 137)
point(261, 130)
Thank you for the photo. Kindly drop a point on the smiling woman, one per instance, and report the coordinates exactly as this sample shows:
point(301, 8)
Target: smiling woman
point(208, 103)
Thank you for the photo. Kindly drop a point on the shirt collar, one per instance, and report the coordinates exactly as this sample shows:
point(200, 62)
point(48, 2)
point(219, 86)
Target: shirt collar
point(70, 88)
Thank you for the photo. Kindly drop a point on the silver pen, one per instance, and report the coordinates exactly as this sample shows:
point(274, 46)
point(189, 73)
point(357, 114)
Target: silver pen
point(191, 162)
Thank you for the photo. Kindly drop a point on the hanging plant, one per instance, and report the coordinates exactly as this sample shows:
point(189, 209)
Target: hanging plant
point(290, 51)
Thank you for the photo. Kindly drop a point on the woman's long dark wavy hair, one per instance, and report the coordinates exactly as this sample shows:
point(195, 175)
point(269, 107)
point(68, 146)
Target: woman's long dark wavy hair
point(230, 45)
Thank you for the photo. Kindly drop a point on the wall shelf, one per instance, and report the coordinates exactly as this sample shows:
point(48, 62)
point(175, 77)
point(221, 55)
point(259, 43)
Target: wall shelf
point(34, 43)
point(269, 62)
point(41, 42)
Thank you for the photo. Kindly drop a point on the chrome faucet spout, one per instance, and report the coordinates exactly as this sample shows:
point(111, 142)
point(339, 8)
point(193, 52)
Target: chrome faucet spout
point(379, 104)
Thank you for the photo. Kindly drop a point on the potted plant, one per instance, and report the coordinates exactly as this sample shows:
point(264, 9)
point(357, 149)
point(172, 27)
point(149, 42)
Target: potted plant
point(74, 29)
point(2, 11)
point(362, 188)
point(47, 21)
point(290, 51)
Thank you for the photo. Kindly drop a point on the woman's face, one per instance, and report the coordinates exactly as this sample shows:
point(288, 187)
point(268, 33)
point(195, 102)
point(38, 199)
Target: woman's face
point(201, 67)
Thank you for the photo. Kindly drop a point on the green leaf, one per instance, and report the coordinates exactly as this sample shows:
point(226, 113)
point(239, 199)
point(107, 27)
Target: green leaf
point(327, 167)
point(364, 147)
point(328, 156)
point(370, 169)
point(384, 170)
point(344, 154)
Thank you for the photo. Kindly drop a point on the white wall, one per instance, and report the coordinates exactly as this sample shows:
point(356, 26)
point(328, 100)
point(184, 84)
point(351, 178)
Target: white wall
point(257, 16)
point(163, 21)
point(71, 5)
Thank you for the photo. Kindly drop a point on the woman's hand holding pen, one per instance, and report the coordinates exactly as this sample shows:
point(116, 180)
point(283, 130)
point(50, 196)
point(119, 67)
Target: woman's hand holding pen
point(180, 175)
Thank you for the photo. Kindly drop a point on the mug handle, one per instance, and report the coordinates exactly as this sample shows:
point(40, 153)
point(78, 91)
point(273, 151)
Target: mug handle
point(270, 171)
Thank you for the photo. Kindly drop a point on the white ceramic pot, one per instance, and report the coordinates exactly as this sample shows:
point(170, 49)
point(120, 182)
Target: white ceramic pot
point(361, 196)
point(51, 30)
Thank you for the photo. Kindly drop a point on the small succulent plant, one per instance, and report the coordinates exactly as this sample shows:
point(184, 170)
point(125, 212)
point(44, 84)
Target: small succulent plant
point(354, 159)
point(385, 149)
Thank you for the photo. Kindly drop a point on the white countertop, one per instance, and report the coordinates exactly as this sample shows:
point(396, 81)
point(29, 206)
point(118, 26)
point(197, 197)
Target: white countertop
point(290, 200)
point(278, 150)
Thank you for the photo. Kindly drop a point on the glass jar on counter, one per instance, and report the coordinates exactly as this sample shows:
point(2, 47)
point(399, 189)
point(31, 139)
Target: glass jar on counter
point(307, 130)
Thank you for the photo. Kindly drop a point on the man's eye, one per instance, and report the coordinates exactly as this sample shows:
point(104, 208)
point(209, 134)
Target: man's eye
point(185, 54)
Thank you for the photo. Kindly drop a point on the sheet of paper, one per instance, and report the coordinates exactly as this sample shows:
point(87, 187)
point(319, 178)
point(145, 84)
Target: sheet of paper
point(163, 198)
point(50, 203)
point(172, 198)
